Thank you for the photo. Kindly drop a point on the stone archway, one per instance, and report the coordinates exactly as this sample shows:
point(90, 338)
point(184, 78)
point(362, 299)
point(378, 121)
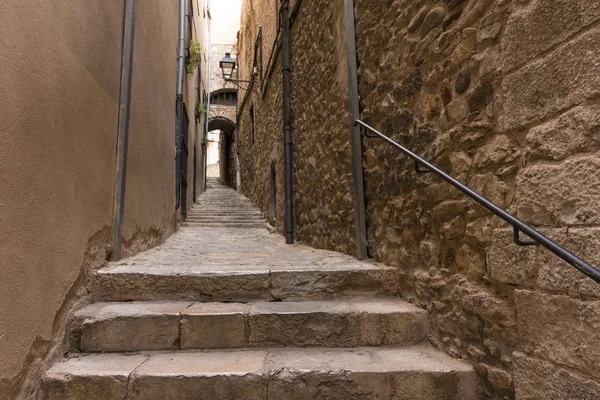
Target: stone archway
point(227, 165)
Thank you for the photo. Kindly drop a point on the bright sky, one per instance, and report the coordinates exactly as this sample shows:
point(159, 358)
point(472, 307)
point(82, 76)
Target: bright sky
point(225, 20)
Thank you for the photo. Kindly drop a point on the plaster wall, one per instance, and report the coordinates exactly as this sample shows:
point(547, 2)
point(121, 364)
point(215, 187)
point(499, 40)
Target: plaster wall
point(60, 74)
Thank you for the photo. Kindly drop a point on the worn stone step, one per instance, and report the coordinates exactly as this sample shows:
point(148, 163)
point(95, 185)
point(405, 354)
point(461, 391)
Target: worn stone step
point(409, 373)
point(226, 214)
point(223, 225)
point(232, 217)
point(229, 216)
point(230, 281)
point(236, 210)
point(133, 326)
point(259, 222)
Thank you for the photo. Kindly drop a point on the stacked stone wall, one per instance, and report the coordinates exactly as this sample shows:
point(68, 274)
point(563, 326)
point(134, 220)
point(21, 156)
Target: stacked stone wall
point(505, 96)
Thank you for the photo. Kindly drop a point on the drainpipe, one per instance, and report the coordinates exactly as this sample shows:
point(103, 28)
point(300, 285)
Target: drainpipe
point(123, 129)
point(179, 102)
point(355, 139)
point(287, 121)
point(207, 117)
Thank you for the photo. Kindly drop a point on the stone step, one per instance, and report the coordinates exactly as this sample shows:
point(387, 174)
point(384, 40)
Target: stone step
point(225, 214)
point(233, 217)
point(253, 221)
point(249, 224)
point(409, 373)
point(234, 282)
point(136, 326)
point(224, 210)
point(212, 213)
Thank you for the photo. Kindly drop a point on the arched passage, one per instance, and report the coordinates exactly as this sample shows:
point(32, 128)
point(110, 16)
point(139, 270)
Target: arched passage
point(226, 157)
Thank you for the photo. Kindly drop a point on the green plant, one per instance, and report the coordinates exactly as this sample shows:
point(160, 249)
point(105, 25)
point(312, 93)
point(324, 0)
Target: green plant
point(194, 56)
point(200, 111)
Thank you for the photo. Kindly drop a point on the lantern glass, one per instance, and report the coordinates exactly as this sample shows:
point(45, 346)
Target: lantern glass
point(227, 65)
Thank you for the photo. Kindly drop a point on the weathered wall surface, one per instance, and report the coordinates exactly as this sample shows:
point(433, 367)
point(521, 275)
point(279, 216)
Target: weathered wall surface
point(60, 81)
point(60, 78)
point(503, 95)
point(219, 85)
point(322, 164)
point(255, 158)
point(150, 201)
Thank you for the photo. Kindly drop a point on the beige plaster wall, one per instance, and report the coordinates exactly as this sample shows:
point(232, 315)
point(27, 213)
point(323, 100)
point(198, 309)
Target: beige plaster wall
point(150, 201)
point(60, 72)
point(60, 78)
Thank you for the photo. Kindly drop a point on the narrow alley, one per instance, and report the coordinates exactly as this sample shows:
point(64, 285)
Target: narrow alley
point(300, 200)
point(225, 310)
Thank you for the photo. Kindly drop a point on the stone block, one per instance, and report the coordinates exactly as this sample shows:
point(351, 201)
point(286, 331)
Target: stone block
point(388, 323)
point(501, 150)
point(560, 194)
point(498, 377)
point(558, 276)
point(215, 376)
point(542, 25)
point(204, 326)
point(565, 77)
point(94, 377)
point(129, 326)
point(576, 131)
point(561, 329)
point(322, 385)
point(537, 379)
point(273, 325)
point(510, 263)
point(159, 332)
point(416, 386)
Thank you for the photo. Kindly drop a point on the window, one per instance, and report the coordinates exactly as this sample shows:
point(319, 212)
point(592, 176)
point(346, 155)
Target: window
point(251, 125)
point(224, 98)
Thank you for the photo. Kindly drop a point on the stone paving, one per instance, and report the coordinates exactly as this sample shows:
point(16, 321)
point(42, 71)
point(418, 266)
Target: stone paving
point(221, 313)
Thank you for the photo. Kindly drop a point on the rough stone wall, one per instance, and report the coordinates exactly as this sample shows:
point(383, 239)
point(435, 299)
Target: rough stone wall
point(255, 159)
point(504, 96)
point(323, 206)
point(501, 94)
point(217, 83)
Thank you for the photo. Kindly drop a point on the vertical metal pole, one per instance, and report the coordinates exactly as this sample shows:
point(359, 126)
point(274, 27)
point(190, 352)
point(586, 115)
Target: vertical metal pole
point(287, 121)
point(355, 138)
point(123, 129)
point(179, 103)
point(207, 117)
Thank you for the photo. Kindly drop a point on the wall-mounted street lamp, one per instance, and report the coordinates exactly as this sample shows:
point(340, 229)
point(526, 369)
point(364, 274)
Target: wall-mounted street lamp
point(228, 65)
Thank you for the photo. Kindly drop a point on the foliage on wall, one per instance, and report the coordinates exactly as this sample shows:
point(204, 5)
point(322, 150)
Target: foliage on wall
point(194, 56)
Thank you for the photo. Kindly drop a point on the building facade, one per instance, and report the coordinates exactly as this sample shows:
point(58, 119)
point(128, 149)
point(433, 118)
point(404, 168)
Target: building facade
point(503, 95)
point(223, 94)
point(62, 69)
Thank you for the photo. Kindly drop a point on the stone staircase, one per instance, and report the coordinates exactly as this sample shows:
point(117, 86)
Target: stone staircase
point(219, 312)
point(221, 206)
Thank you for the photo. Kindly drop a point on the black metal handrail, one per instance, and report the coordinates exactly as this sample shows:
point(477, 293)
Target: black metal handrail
point(518, 225)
